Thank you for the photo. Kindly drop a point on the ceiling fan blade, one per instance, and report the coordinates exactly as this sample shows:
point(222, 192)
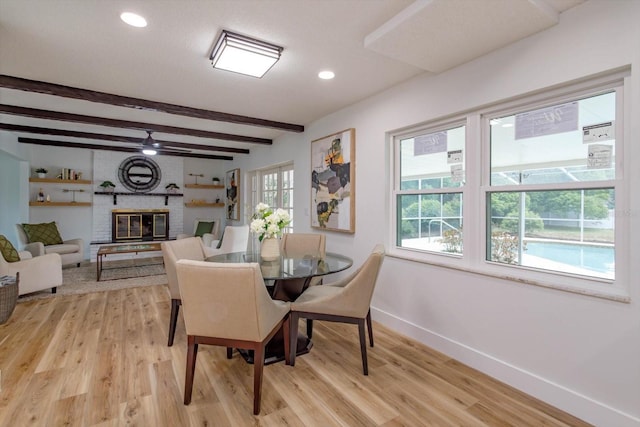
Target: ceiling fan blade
point(152, 144)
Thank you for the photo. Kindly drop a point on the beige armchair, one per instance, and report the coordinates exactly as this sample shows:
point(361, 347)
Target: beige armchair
point(70, 251)
point(206, 228)
point(347, 301)
point(36, 274)
point(172, 251)
point(227, 305)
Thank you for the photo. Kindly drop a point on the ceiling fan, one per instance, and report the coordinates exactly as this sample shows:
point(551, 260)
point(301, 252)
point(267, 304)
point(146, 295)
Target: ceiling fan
point(151, 147)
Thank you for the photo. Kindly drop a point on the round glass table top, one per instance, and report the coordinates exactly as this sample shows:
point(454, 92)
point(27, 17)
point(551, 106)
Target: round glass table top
point(289, 266)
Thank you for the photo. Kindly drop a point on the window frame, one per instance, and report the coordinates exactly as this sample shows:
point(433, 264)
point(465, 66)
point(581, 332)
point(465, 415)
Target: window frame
point(445, 125)
point(256, 177)
point(477, 187)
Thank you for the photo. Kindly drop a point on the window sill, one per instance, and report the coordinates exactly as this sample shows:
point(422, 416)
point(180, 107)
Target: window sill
point(517, 274)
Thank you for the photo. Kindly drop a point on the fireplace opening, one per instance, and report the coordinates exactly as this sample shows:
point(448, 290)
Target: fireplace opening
point(139, 225)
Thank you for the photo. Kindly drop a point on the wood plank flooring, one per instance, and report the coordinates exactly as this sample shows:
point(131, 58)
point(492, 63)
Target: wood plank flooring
point(102, 359)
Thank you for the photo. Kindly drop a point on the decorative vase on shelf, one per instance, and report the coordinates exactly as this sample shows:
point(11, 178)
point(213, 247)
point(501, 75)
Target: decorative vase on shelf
point(270, 249)
point(42, 175)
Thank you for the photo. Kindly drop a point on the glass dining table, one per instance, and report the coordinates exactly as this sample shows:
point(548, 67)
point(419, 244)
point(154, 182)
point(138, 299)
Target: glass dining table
point(286, 277)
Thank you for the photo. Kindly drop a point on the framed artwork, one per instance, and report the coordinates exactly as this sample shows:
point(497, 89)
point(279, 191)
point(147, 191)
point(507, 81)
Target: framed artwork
point(333, 191)
point(233, 194)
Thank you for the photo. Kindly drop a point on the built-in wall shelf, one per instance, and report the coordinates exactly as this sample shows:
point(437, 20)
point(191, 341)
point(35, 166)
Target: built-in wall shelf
point(58, 204)
point(205, 186)
point(60, 181)
point(116, 194)
point(204, 205)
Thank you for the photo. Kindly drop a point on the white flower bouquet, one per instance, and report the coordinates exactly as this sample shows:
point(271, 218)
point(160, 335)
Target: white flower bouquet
point(267, 223)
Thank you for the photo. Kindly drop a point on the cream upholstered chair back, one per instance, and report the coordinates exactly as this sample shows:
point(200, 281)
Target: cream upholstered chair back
point(354, 297)
point(227, 300)
point(347, 301)
point(228, 305)
point(234, 239)
point(174, 250)
point(303, 244)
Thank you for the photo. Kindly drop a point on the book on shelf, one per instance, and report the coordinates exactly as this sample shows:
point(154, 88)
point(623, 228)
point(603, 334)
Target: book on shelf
point(70, 174)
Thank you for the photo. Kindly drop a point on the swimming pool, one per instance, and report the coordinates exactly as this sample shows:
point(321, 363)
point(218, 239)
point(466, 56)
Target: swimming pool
point(598, 259)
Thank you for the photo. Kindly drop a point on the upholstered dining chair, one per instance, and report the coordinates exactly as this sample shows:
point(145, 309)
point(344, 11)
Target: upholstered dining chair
point(235, 238)
point(302, 244)
point(172, 251)
point(346, 301)
point(227, 305)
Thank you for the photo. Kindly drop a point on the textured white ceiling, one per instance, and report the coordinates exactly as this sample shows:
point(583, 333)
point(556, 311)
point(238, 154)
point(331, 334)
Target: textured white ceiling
point(83, 43)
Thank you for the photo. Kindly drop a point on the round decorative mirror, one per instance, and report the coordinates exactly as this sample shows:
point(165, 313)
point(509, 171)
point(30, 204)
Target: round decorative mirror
point(139, 174)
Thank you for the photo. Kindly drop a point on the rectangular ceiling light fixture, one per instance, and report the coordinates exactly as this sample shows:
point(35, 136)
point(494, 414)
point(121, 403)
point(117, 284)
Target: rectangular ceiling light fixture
point(244, 55)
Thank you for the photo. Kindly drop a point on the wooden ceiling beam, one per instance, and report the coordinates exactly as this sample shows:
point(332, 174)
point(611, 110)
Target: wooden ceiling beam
point(101, 121)
point(114, 148)
point(19, 83)
point(116, 138)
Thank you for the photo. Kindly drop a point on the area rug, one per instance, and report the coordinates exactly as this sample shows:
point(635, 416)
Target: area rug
point(115, 275)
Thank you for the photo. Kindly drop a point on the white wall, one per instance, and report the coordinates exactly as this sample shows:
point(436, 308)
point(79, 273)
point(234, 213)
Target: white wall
point(579, 353)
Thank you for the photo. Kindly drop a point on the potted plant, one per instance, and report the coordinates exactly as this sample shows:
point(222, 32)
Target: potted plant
point(42, 172)
point(216, 180)
point(107, 186)
point(172, 187)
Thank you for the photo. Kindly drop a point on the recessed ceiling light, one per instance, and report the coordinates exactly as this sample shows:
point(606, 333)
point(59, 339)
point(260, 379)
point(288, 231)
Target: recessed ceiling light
point(133, 19)
point(326, 75)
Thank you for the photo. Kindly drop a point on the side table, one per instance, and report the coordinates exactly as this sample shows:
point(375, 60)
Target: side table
point(8, 296)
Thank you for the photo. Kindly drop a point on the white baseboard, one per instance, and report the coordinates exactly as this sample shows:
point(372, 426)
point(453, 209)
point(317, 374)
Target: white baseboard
point(583, 407)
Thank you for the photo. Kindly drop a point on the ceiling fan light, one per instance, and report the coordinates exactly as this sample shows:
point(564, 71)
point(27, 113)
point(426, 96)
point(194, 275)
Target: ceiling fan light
point(149, 151)
point(244, 55)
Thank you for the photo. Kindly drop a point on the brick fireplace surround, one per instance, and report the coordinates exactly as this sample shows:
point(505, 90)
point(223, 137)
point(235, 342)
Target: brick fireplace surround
point(105, 167)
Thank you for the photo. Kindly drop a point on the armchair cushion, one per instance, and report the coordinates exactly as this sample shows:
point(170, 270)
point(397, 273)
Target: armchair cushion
point(9, 253)
point(203, 228)
point(46, 232)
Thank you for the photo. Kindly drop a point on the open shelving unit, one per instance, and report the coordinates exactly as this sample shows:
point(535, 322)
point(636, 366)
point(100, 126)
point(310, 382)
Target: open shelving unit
point(60, 181)
point(60, 203)
point(56, 204)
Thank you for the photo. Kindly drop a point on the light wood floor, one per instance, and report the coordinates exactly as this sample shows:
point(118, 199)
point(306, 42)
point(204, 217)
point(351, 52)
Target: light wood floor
point(102, 359)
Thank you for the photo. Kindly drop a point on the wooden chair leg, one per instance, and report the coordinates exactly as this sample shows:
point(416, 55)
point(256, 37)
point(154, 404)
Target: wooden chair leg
point(363, 346)
point(309, 328)
point(258, 365)
point(229, 352)
point(293, 336)
point(192, 353)
point(370, 328)
point(54, 290)
point(173, 319)
point(286, 333)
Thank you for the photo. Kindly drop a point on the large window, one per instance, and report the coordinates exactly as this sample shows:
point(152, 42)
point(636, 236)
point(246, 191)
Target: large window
point(552, 187)
point(540, 187)
point(429, 197)
point(274, 186)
